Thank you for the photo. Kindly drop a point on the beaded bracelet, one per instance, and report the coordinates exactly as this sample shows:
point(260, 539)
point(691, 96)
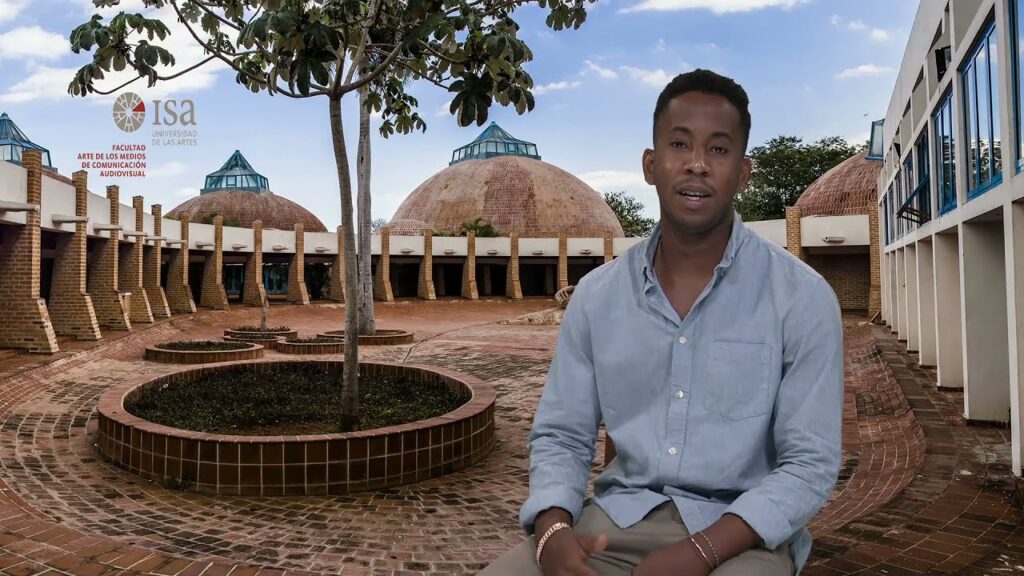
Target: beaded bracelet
point(702, 553)
point(712, 547)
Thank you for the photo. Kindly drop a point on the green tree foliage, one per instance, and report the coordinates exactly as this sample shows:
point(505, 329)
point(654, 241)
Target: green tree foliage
point(333, 48)
point(782, 169)
point(480, 227)
point(629, 211)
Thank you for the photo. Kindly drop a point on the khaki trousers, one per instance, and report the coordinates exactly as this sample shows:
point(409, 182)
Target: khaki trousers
point(627, 548)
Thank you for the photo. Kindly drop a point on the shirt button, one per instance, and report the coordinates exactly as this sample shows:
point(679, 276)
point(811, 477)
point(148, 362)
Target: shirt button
point(682, 339)
point(679, 394)
point(672, 450)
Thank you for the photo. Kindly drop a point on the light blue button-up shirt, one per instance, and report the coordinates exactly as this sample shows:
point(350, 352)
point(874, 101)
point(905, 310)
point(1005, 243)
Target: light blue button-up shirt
point(735, 409)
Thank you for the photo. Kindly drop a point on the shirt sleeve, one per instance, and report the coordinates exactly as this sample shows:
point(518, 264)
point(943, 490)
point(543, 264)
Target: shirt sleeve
point(807, 422)
point(562, 443)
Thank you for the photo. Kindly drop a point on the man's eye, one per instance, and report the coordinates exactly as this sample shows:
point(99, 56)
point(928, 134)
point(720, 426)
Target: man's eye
point(719, 150)
point(678, 144)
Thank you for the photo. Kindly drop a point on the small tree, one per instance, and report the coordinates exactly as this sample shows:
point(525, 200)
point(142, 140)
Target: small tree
point(480, 227)
point(782, 169)
point(376, 224)
point(302, 49)
point(629, 211)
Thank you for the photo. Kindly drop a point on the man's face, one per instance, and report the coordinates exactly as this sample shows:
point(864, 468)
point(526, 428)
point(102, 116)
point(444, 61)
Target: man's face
point(698, 162)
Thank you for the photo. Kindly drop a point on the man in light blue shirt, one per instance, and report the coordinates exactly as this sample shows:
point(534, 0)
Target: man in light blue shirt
point(714, 359)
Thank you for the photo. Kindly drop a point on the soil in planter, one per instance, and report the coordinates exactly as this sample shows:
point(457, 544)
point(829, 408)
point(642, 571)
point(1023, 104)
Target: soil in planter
point(257, 329)
point(287, 399)
point(315, 340)
point(201, 346)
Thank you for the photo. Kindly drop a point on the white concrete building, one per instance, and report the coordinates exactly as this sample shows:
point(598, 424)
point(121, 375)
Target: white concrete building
point(950, 205)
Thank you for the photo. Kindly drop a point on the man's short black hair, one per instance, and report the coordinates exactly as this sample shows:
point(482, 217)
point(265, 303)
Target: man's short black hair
point(710, 83)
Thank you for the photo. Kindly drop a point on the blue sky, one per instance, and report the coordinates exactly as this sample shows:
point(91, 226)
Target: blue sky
point(812, 68)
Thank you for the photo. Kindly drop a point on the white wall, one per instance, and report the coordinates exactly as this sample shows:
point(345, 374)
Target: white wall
point(328, 240)
point(272, 238)
point(234, 236)
point(405, 245)
point(58, 198)
point(620, 245)
point(948, 317)
point(814, 229)
point(773, 231)
point(546, 246)
point(500, 246)
point(458, 245)
point(576, 246)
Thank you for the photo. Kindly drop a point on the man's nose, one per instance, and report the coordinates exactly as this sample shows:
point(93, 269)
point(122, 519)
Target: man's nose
point(697, 163)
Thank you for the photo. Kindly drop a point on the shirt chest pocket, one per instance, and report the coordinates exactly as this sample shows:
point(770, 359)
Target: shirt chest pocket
point(736, 385)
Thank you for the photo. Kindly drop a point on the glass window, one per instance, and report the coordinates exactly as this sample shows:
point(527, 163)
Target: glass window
point(1018, 67)
point(231, 181)
point(46, 159)
point(981, 107)
point(945, 154)
point(923, 189)
point(5, 152)
point(531, 150)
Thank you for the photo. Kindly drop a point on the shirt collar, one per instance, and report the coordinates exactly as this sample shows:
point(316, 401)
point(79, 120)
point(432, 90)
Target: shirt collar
point(736, 238)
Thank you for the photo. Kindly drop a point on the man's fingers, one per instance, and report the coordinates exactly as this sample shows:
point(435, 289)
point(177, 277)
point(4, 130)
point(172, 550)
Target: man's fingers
point(592, 544)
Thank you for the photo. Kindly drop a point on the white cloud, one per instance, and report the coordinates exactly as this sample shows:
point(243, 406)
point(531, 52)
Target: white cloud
point(874, 34)
point(44, 84)
point(553, 86)
point(166, 170)
point(715, 6)
point(863, 71)
point(613, 180)
point(52, 83)
point(661, 45)
point(187, 192)
point(657, 77)
point(32, 43)
point(606, 73)
point(444, 110)
point(9, 9)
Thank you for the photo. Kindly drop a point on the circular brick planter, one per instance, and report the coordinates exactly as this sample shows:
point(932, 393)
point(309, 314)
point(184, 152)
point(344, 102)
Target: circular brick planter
point(381, 338)
point(286, 347)
point(268, 342)
point(299, 465)
point(239, 334)
point(158, 354)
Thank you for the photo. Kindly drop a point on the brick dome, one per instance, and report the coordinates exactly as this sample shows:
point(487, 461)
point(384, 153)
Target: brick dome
point(513, 194)
point(407, 227)
point(849, 188)
point(245, 206)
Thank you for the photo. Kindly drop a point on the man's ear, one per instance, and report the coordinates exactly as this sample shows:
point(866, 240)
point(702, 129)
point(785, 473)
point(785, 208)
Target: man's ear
point(648, 165)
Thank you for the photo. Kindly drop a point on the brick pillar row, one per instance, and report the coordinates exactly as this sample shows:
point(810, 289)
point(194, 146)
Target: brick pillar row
point(609, 248)
point(563, 261)
point(179, 294)
point(130, 271)
point(24, 319)
point(111, 307)
point(152, 264)
point(382, 278)
point(469, 289)
point(297, 293)
point(794, 243)
point(253, 291)
point(70, 305)
point(212, 293)
point(875, 291)
point(513, 288)
point(425, 290)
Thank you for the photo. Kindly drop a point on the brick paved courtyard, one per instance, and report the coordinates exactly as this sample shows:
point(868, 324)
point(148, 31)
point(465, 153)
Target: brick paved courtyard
point(919, 491)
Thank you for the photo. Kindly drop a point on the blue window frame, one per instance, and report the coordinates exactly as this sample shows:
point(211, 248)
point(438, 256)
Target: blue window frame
point(1018, 76)
point(945, 153)
point(885, 209)
point(980, 84)
point(923, 188)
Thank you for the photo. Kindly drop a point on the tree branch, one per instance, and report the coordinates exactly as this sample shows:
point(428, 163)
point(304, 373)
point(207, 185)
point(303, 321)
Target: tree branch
point(161, 78)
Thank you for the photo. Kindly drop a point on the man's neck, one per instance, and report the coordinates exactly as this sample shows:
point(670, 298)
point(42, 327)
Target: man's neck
point(682, 251)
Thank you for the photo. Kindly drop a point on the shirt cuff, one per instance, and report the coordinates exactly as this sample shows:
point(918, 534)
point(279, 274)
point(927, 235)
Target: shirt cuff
point(541, 500)
point(764, 517)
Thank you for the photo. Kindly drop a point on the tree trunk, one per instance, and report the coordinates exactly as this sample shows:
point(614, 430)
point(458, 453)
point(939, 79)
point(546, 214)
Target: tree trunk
point(350, 377)
point(264, 312)
point(365, 301)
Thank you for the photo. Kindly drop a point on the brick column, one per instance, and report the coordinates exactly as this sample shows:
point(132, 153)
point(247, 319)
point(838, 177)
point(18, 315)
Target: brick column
point(297, 293)
point(24, 319)
point(179, 295)
point(513, 289)
point(130, 273)
point(212, 293)
point(793, 240)
point(382, 278)
point(152, 264)
point(253, 291)
point(111, 307)
point(426, 285)
point(875, 292)
point(70, 306)
point(338, 270)
point(469, 269)
point(563, 261)
point(609, 248)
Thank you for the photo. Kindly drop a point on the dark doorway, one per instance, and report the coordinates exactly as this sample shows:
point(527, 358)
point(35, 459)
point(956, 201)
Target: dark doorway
point(538, 278)
point(491, 278)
